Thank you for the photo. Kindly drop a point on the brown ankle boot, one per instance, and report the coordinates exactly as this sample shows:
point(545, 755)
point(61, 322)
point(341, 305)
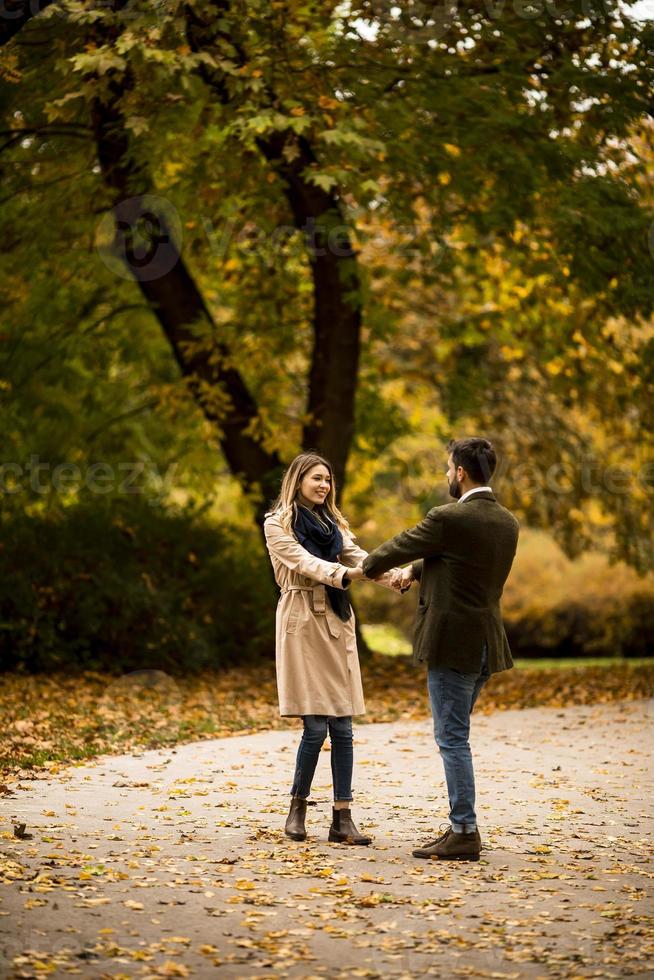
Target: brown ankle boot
point(451, 847)
point(295, 820)
point(343, 829)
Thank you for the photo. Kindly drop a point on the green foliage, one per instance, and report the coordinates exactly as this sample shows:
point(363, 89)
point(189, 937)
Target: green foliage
point(552, 606)
point(503, 165)
point(121, 585)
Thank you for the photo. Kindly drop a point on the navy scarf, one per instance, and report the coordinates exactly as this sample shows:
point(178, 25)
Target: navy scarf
point(326, 544)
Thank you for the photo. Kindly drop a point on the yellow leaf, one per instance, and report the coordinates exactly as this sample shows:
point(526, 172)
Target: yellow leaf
point(511, 353)
point(172, 969)
point(33, 903)
point(172, 168)
point(553, 367)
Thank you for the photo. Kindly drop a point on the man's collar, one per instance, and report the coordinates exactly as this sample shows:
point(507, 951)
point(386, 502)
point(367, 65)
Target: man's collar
point(486, 490)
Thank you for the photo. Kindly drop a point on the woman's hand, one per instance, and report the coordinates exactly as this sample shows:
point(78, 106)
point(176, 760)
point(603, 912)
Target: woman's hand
point(401, 578)
point(355, 573)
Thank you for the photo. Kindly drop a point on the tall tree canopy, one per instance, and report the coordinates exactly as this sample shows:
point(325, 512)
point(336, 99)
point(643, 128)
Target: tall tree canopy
point(345, 226)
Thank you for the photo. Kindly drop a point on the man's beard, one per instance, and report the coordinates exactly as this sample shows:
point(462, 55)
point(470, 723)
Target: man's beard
point(455, 489)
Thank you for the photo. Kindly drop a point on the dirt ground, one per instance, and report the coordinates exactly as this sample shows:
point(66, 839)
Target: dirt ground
point(174, 863)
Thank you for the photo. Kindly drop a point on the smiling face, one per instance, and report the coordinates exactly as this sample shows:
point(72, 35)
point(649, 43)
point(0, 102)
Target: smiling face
point(315, 486)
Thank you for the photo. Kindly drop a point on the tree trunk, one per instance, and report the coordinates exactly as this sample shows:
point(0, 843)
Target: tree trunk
point(173, 295)
point(170, 290)
point(319, 215)
point(15, 14)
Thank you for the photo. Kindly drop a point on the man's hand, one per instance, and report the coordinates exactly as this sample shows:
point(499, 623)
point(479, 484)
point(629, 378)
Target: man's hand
point(355, 573)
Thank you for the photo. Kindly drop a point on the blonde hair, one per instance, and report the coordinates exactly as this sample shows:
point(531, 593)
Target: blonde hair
point(285, 507)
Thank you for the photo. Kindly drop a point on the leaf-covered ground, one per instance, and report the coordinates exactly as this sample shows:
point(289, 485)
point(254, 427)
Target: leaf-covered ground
point(48, 720)
point(173, 862)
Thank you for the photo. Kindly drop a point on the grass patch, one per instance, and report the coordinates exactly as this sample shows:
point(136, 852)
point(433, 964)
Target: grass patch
point(389, 641)
point(386, 639)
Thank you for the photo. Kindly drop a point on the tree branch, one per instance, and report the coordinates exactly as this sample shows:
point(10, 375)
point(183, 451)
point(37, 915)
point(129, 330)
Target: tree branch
point(175, 299)
point(319, 215)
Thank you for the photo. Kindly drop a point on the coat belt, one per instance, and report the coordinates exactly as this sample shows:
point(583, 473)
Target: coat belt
point(318, 601)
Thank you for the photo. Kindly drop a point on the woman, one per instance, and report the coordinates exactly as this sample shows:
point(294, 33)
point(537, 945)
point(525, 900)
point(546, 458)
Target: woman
point(314, 559)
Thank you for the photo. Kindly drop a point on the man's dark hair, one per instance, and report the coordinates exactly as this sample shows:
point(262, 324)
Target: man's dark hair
point(476, 456)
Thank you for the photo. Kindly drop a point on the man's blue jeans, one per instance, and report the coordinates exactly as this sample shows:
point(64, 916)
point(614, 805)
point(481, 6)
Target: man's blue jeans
point(452, 695)
point(342, 754)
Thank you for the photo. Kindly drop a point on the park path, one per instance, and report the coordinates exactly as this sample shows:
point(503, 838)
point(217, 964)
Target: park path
point(173, 862)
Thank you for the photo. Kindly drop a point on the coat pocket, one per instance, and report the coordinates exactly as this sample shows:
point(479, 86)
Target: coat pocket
point(291, 623)
point(294, 614)
point(334, 625)
point(426, 633)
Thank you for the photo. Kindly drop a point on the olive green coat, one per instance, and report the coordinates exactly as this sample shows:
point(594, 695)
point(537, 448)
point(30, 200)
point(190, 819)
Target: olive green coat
point(462, 554)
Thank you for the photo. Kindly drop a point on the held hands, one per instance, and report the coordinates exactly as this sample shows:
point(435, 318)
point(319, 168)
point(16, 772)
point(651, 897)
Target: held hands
point(401, 578)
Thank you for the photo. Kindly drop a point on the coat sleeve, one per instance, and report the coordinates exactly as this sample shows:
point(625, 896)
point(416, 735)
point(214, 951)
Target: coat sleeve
point(285, 547)
point(425, 540)
point(352, 556)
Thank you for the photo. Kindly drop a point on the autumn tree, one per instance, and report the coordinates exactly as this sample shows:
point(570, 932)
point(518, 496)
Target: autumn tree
point(265, 141)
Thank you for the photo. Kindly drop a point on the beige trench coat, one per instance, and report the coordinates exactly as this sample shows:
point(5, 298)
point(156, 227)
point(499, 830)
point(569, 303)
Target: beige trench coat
point(318, 669)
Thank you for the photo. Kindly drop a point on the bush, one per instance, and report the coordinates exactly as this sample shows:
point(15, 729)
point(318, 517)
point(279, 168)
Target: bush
point(553, 606)
point(119, 585)
point(576, 608)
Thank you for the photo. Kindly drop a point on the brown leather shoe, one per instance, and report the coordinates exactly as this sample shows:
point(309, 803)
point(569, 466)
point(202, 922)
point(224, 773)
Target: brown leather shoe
point(343, 829)
point(451, 847)
point(295, 828)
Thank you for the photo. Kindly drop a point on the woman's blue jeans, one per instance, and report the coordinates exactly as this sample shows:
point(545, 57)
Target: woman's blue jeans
point(452, 695)
point(342, 754)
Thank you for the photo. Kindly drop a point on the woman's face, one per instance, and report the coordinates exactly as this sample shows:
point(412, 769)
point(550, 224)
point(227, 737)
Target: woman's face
point(314, 486)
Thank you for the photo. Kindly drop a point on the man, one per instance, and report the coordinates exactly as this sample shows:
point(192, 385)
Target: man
point(462, 553)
